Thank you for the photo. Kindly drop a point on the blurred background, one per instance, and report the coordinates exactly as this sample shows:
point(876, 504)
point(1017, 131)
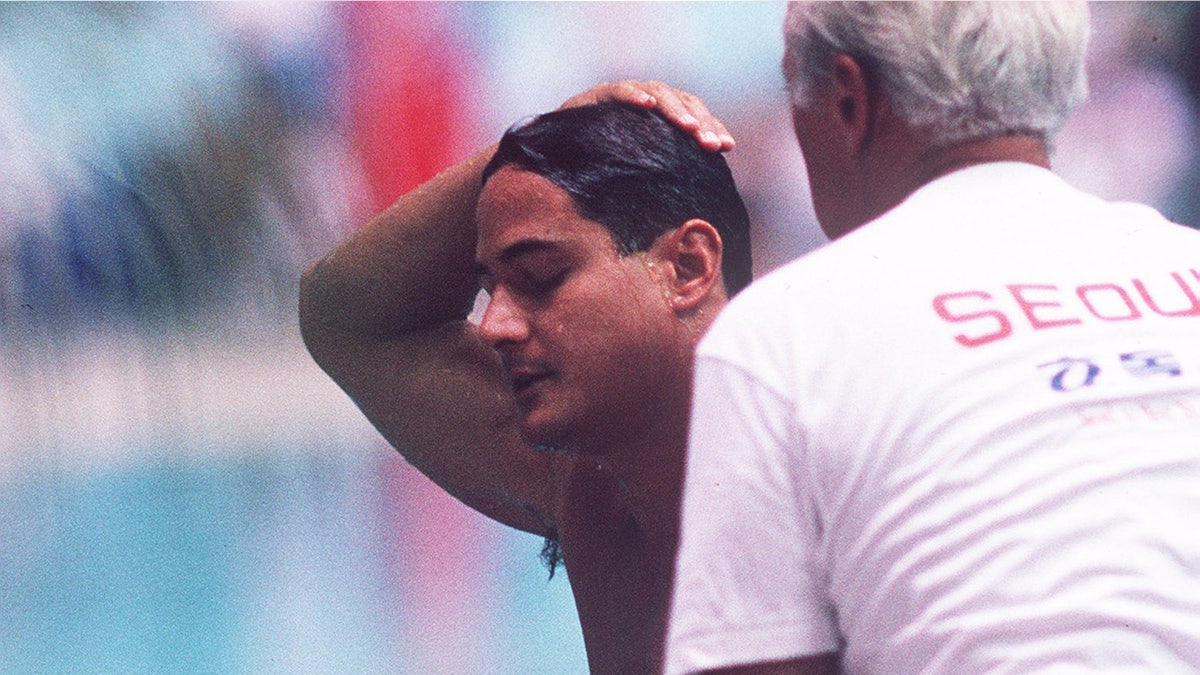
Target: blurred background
point(181, 489)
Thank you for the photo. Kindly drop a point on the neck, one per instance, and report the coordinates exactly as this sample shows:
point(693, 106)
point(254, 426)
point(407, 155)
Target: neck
point(652, 466)
point(649, 460)
point(1013, 148)
point(890, 179)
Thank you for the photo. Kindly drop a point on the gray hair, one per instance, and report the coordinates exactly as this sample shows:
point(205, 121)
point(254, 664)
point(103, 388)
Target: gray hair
point(958, 70)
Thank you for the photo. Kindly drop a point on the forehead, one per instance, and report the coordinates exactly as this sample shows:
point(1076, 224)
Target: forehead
point(517, 206)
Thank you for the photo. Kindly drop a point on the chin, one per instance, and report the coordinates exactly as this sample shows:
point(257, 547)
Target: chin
point(546, 435)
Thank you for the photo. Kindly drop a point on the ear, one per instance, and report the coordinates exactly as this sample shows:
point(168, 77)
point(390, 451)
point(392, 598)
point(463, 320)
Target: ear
point(692, 254)
point(854, 100)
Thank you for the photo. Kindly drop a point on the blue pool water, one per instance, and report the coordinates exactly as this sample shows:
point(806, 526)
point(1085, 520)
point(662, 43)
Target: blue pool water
point(267, 562)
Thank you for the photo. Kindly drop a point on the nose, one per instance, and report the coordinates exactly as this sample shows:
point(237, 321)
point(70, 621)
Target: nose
point(503, 321)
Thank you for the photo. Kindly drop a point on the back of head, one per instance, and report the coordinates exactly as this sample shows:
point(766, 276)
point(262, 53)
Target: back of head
point(956, 70)
point(635, 173)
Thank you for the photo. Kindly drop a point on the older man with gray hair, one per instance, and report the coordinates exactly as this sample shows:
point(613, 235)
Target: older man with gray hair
point(963, 437)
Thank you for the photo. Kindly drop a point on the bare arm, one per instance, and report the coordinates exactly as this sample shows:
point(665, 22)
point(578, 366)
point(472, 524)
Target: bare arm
point(385, 314)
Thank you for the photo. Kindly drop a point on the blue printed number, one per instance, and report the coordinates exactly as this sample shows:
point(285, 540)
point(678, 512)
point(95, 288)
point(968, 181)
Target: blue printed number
point(1144, 364)
point(1072, 373)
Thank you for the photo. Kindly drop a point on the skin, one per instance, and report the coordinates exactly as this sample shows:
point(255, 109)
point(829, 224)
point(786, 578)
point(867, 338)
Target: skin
point(579, 348)
point(569, 318)
point(862, 160)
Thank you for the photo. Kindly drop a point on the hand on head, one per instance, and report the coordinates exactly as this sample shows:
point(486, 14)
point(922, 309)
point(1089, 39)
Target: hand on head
point(682, 109)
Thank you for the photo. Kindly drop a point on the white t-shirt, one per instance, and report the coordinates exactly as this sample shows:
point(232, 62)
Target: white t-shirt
point(963, 438)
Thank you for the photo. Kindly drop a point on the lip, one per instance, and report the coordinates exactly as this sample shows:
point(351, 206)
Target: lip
point(521, 380)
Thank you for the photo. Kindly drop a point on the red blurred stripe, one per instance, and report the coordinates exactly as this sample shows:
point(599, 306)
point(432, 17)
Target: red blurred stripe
point(410, 74)
point(409, 80)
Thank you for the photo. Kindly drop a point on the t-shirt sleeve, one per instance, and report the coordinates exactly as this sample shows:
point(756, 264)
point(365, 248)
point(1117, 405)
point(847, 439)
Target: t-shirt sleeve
point(747, 586)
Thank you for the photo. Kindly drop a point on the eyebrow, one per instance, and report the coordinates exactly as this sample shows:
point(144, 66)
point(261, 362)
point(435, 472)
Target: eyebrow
point(517, 250)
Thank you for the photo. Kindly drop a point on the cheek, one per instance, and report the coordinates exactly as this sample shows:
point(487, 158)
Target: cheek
point(609, 326)
point(625, 294)
point(612, 327)
point(820, 159)
point(826, 162)
point(832, 191)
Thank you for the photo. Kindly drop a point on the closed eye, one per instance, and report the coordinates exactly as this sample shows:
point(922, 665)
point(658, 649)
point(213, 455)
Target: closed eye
point(534, 268)
point(541, 283)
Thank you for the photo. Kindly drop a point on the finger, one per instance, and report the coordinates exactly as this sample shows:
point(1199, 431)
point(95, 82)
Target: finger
point(688, 112)
point(628, 91)
point(632, 91)
point(680, 108)
point(671, 104)
point(711, 132)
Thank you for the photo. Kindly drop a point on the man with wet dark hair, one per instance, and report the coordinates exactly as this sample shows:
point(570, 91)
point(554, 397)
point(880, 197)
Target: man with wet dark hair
point(607, 238)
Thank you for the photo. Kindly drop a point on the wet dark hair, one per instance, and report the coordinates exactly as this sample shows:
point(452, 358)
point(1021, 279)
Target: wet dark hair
point(635, 173)
point(552, 553)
